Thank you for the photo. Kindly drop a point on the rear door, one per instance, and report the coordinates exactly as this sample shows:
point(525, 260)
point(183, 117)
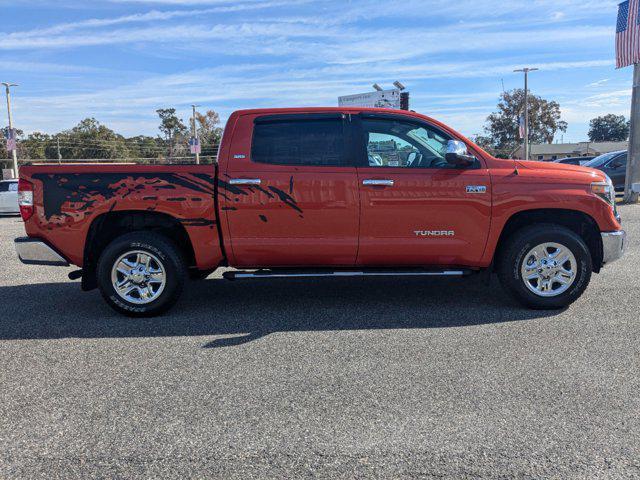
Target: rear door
point(415, 208)
point(290, 193)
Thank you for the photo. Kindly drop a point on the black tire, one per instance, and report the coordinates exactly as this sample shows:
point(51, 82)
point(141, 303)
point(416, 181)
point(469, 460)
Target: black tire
point(513, 254)
point(164, 250)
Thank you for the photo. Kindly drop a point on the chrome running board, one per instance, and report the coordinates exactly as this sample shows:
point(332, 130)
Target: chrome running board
point(238, 275)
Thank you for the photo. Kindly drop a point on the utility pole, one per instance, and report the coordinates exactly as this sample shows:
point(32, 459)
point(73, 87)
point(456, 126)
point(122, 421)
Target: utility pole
point(14, 151)
point(58, 146)
point(195, 133)
point(633, 162)
point(526, 108)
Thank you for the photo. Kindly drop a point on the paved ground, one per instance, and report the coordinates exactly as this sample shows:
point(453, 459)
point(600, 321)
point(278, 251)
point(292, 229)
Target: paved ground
point(333, 378)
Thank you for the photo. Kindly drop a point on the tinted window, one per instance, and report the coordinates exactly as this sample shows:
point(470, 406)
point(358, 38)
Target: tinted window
point(396, 143)
point(601, 160)
point(620, 161)
point(8, 186)
point(299, 142)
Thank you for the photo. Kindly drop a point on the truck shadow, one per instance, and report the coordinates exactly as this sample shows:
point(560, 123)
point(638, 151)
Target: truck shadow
point(244, 311)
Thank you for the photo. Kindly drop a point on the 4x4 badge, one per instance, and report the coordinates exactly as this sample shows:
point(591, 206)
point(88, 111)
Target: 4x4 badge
point(476, 189)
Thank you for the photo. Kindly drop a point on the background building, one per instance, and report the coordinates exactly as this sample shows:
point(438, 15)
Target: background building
point(554, 151)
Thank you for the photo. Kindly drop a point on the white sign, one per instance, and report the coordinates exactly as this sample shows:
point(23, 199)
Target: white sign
point(11, 144)
point(7, 174)
point(383, 99)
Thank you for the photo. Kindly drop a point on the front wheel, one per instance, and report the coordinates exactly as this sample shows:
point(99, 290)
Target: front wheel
point(141, 274)
point(545, 266)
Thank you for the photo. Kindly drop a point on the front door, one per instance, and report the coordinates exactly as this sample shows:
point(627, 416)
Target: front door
point(616, 168)
point(415, 208)
point(292, 200)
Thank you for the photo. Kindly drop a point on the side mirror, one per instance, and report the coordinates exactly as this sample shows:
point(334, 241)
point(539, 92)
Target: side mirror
point(458, 155)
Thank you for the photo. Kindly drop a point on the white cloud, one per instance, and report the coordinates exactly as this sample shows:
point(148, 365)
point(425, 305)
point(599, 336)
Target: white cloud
point(304, 52)
point(599, 83)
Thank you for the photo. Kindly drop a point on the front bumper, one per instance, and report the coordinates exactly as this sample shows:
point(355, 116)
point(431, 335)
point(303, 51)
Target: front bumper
point(613, 245)
point(35, 252)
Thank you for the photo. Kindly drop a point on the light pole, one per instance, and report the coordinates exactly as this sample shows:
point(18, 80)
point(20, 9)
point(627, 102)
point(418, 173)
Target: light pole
point(14, 153)
point(195, 133)
point(526, 108)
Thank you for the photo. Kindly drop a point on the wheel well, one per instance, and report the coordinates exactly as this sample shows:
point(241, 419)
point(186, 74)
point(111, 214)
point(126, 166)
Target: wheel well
point(579, 222)
point(108, 226)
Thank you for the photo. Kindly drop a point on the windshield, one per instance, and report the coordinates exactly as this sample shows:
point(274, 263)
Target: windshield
point(601, 160)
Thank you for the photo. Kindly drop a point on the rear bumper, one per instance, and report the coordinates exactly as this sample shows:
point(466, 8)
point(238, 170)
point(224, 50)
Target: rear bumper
point(35, 252)
point(613, 245)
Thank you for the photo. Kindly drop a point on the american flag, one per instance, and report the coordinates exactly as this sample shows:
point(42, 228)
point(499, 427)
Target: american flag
point(521, 126)
point(628, 34)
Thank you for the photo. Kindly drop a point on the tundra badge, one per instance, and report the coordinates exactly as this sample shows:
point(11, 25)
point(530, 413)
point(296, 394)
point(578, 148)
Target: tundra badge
point(476, 189)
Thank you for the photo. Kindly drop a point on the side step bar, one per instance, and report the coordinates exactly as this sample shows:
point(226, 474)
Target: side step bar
point(238, 275)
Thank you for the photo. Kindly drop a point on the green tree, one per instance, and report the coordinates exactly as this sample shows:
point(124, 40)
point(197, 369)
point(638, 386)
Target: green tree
point(609, 128)
point(209, 131)
point(144, 147)
point(174, 131)
point(501, 131)
point(88, 139)
point(34, 146)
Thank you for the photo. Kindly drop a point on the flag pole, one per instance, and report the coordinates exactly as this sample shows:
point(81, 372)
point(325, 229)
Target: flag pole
point(633, 161)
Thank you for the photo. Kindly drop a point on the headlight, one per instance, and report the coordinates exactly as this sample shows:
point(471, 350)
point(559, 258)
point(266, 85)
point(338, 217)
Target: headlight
point(605, 191)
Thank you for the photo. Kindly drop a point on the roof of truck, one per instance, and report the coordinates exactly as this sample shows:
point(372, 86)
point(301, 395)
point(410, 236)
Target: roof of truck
point(326, 109)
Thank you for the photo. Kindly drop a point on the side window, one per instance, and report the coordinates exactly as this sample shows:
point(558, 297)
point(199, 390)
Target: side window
point(317, 142)
point(396, 143)
point(4, 186)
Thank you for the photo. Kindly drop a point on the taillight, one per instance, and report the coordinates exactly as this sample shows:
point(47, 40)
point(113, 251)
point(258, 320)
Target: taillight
point(25, 199)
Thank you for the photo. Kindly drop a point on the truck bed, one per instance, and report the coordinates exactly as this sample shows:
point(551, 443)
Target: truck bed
point(68, 199)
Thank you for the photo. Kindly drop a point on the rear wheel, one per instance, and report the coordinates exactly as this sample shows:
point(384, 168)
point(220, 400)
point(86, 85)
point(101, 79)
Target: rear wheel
point(141, 274)
point(545, 266)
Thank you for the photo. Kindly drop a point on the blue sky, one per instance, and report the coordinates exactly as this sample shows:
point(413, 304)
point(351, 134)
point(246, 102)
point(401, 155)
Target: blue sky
point(120, 60)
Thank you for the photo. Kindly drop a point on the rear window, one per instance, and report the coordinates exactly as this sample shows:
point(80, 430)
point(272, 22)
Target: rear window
point(8, 186)
point(318, 142)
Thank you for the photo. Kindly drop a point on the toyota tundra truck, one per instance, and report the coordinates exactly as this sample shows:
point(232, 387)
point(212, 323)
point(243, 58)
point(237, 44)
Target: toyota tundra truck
point(323, 192)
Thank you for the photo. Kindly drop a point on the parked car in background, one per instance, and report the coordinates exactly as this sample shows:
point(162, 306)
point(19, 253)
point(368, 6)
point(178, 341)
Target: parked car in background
point(614, 164)
point(574, 160)
point(9, 197)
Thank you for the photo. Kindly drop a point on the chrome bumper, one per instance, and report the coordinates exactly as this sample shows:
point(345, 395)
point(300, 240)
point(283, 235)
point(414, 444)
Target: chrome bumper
point(613, 245)
point(35, 252)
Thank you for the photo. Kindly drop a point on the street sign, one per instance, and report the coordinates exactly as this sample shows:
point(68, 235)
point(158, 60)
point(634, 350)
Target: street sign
point(194, 144)
point(378, 99)
point(7, 174)
point(11, 144)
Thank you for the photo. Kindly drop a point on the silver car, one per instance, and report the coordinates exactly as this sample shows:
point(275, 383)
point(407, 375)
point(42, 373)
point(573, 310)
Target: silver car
point(9, 197)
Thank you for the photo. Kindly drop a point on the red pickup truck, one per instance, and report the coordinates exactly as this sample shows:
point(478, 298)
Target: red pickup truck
point(323, 192)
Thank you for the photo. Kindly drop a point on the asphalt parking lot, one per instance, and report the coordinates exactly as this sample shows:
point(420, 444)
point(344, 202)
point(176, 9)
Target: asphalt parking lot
point(386, 378)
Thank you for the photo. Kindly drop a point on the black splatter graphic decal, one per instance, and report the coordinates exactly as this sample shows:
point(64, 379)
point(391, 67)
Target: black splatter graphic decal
point(286, 198)
point(82, 192)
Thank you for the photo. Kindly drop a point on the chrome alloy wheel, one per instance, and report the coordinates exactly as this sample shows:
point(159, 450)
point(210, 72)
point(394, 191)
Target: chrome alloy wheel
point(549, 269)
point(138, 277)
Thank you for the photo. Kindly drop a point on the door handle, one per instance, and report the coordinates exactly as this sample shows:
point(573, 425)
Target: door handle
point(245, 181)
point(377, 183)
